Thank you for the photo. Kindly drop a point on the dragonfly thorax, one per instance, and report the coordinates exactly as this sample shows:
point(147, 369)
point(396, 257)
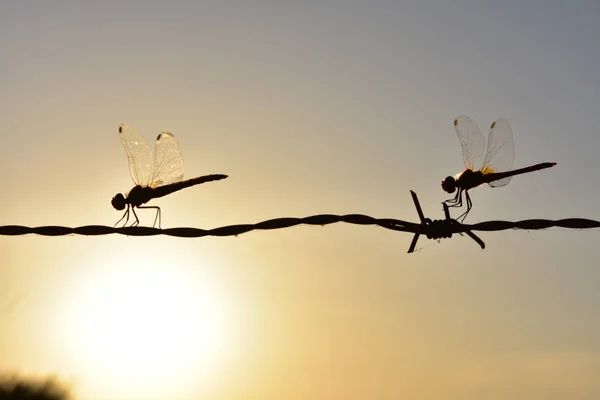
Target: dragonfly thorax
point(469, 179)
point(139, 195)
point(136, 197)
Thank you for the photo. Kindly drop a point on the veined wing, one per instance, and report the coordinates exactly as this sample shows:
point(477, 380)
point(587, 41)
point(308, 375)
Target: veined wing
point(471, 141)
point(168, 163)
point(138, 155)
point(500, 153)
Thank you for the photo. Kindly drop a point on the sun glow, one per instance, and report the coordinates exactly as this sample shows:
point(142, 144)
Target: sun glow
point(147, 330)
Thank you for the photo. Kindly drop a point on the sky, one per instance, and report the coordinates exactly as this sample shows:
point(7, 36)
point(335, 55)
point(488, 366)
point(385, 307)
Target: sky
point(310, 108)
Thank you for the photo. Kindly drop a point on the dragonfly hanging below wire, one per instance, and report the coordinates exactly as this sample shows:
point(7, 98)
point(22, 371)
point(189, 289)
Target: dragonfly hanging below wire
point(154, 174)
point(494, 166)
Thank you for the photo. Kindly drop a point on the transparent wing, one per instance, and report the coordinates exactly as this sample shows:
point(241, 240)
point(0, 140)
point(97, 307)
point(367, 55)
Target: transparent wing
point(471, 140)
point(168, 163)
point(138, 155)
point(500, 153)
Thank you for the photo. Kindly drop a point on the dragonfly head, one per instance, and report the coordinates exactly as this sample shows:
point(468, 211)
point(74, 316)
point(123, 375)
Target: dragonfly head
point(449, 184)
point(118, 202)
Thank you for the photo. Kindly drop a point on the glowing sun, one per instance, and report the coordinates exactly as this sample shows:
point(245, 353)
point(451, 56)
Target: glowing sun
point(147, 329)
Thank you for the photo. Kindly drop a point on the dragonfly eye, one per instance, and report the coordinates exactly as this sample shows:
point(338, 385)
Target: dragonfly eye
point(449, 184)
point(118, 202)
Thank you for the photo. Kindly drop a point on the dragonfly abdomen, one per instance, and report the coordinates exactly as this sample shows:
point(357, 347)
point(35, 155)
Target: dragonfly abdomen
point(161, 191)
point(501, 175)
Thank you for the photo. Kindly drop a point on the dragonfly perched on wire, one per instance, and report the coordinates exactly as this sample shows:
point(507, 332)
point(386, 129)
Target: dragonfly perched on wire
point(155, 174)
point(493, 166)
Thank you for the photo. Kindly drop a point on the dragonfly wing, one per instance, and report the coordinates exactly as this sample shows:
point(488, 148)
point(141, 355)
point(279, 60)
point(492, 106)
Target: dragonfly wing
point(500, 153)
point(138, 155)
point(500, 182)
point(168, 163)
point(471, 141)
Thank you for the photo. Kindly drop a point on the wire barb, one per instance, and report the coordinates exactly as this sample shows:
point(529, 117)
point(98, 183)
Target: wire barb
point(438, 229)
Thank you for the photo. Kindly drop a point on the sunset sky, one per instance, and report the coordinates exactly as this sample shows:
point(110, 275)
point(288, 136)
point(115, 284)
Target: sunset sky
point(310, 108)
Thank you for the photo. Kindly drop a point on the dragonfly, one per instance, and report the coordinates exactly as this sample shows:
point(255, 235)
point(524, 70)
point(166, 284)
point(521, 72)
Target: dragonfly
point(493, 167)
point(155, 174)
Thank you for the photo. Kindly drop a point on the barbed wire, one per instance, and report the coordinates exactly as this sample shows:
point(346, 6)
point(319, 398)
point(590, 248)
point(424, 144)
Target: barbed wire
point(432, 229)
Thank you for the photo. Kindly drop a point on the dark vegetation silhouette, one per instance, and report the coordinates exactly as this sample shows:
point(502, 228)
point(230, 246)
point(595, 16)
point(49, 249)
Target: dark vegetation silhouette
point(19, 388)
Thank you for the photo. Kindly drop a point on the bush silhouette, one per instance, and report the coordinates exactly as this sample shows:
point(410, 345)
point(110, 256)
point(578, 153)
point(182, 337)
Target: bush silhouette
point(15, 388)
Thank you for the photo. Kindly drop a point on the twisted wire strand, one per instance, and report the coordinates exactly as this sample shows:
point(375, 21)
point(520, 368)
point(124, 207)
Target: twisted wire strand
point(534, 224)
point(230, 230)
point(432, 229)
point(322, 219)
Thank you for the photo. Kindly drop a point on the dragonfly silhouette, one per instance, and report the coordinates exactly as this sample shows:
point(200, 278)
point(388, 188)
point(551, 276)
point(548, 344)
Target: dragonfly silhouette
point(494, 167)
point(154, 174)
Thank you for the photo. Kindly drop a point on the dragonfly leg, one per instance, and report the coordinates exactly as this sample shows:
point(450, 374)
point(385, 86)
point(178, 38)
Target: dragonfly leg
point(456, 201)
point(126, 214)
point(157, 217)
point(137, 220)
point(469, 206)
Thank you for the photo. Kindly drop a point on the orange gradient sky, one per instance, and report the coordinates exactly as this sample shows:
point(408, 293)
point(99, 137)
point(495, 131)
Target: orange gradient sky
point(310, 108)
